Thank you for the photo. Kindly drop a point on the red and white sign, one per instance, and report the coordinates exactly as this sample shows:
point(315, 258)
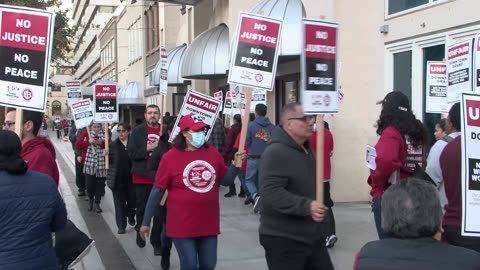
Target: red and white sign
point(74, 90)
point(199, 176)
point(205, 107)
point(25, 48)
point(82, 112)
point(219, 96)
point(459, 70)
point(436, 88)
point(476, 64)
point(163, 71)
point(106, 105)
point(470, 106)
point(255, 54)
point(319, 67)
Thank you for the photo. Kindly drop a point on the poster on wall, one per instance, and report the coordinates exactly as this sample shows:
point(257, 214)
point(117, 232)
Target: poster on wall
point(106, 104)
point(82, 112)
point(74, 90)
point(163, 71)
point(436, 95)
point(25, 49)
point(255, 52)
point(470, 106)
point(205, 107)
point(319, 67)
point(459, 70)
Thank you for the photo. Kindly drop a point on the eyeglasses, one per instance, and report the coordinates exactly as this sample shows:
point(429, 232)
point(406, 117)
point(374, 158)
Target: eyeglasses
point(8, 124)
point(305, 118)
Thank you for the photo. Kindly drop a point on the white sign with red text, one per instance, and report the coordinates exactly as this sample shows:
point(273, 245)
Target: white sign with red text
point(82, 112)
point(476, 64)
point(219, 96)
point(163, 71)
point(26, 37)
point(470, 106)
point(74, 90)
point(436, 95)
point(459, 70)
point(204, 107)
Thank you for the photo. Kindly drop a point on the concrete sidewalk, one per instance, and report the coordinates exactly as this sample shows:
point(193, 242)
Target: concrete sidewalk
point(238, 245)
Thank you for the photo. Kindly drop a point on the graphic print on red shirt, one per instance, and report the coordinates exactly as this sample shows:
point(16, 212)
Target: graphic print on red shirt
point(199, 176)
point(153, 135)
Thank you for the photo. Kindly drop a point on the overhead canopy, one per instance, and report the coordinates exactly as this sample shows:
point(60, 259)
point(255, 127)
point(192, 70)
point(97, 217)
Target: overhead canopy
point(132, 93)
point(174, 67)
point(291, 12)
point(208, 55)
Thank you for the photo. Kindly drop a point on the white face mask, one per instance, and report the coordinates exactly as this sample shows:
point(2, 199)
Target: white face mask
point(314, 127)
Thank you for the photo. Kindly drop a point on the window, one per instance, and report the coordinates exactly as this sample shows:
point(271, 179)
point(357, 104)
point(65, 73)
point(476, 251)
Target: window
point(56, 88)
point(135, 45)
point(396, 6)
point(150, 77)
point(402, 73)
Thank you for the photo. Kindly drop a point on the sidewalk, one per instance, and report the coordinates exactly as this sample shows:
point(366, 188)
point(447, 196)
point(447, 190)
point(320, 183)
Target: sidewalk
point(238, 246)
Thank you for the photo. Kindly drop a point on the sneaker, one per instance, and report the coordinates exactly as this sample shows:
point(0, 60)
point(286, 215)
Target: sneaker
point(229, 194)
point(140, 241)
point(256, 204)
point(165, 262)
point(330, 241)
point(248, 200)
point(157, 251)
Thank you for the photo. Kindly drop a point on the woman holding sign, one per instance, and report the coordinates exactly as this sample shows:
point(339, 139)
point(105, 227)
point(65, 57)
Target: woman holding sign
point(191, 173)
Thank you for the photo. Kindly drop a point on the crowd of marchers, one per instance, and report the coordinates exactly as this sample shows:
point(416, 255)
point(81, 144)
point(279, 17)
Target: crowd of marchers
point(169, 192)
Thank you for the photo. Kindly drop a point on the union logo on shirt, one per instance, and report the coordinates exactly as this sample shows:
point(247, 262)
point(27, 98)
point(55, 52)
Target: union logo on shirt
point(199, 176)
point(152, 138)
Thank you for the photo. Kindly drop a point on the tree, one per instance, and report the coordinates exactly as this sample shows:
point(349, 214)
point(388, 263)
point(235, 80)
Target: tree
point(62, 31)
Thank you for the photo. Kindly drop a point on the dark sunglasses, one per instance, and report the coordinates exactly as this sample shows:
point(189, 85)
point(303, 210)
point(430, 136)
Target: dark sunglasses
point(304, 118)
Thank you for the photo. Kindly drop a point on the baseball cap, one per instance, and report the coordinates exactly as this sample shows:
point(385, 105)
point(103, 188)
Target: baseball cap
point(395, 100)
point(192, 121)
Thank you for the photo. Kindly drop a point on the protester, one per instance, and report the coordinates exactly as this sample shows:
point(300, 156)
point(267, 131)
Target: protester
point(45, 127)
point(73, 136)
point(452, 127)
point(395, 124)
point(232, 135)
point(329, 222)
point(191, 173)
point(114, 132)
point(37, 151)
point(440, 130)
point(119, 179)
point(258, 134)
point(141, 144)
point(217, 136)
point(290, 216)
point(65, 127)
point(412, 217)
point(30, 198)
point(94, 168)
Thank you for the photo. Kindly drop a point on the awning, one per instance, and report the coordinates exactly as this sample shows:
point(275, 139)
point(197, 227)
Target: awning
point(180, 2)
point(174, 67)
point(208, 56)
point(291, 12)
point(132, 93)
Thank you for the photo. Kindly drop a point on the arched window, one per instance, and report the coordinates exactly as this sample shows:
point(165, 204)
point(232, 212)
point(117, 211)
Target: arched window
point(56, 108)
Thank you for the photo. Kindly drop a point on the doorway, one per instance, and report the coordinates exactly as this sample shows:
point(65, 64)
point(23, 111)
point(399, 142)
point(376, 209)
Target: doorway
point(287, 89)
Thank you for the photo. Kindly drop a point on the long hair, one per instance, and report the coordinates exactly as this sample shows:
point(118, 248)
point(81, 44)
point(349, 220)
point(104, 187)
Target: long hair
point(406, 123)
point(10, 154)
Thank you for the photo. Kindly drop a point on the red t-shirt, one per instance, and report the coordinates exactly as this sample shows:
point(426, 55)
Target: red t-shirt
point(237, 145)
point(327, 150)
point(191, 178)
point(153, 135)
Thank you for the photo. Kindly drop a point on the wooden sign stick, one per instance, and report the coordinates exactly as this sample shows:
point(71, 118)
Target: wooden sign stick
point(107, 160)
point(320, 139)
point(161, 112)
point(243, 134)
point(19, 122)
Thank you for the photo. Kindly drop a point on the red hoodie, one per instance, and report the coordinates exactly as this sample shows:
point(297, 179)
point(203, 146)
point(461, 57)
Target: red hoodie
point(327, 150)
point(40, 156)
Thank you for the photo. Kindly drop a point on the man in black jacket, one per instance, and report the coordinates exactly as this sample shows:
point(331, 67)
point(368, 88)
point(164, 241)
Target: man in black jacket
point(290, 229)
point(141, 144)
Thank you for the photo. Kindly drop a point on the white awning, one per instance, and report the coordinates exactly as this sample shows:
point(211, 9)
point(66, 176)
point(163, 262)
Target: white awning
point(174, 67)
point(132, 93)
point(208, 56)
point(291, 12)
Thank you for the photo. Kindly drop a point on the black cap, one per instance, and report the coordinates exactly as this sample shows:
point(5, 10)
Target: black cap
point(396, 101)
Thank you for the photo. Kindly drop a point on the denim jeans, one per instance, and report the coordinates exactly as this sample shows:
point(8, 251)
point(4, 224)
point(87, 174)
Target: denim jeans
point(377, 214)
point(166, 241)
point(241, 176)
point(198, 253)
point(251, 176)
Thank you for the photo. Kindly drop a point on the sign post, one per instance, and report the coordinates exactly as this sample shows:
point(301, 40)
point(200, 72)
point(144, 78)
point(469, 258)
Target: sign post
point(163, 82)
point(459, 70)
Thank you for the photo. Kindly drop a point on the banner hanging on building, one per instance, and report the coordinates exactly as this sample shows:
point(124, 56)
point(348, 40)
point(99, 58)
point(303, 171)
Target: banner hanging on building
point(319, 67)
point(205, 107)
point(163, 71)
point(26, 37)
point(436, 95)
point(82, 112)
point(74, 90)
point(255, 52)
point(106, 105)
point(470, 105)
point(459, 70)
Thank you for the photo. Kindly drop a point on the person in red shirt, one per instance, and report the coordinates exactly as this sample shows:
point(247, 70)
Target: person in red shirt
point(191, 173)
point(395, 124)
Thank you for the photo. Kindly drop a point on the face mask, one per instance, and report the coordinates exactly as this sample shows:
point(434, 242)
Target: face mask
point(314, 127)
point(198, 139)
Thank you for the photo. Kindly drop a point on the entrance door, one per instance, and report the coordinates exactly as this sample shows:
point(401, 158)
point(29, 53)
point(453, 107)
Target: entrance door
point(287, 89)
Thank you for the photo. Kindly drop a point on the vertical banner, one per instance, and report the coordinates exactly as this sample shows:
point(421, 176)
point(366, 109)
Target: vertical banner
point(204, 107)
point(459, 70)
point(255, 52)
point(25, 52)
point(476, 64)
point(74, 90)
point(436, 95)
point(106, 105)
point(318, 67)
point(470, 106)
point(163, 71)
point(219, 96)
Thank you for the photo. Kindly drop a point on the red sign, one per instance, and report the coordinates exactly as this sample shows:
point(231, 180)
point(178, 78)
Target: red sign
point(438, 69)
point(473, 113)
point(459, 50)
point(24, 31)
point(259, 32)
point(203, 103)
point(103, 91)
point(73, 84)
point(320, 41)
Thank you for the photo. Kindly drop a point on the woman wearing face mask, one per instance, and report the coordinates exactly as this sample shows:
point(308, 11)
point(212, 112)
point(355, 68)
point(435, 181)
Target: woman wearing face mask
point(191, 173)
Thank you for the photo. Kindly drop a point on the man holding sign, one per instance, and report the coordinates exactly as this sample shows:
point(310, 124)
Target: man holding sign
point(290, 219)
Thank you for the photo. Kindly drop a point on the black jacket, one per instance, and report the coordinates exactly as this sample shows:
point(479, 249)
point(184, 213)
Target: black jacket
point(137, 149)
point(415, 254)
point(287, 187)
point(119, 174)
point(154, 162)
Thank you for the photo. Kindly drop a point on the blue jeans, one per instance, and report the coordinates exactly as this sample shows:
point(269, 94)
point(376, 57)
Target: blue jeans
point(241, 176)
point(198, 253)
point(251, 176)
point(377, 215)
point(166, 241)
